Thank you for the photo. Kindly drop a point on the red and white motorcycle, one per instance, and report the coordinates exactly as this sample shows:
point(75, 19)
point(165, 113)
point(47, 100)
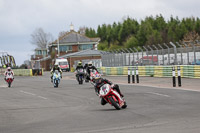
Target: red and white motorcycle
point(9, 78)
point(112, 96)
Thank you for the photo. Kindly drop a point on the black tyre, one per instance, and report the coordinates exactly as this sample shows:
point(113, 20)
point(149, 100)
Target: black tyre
point(116, 105)
point(9, 84)
point(124, 106)
point(81, 80)
point(56, 83)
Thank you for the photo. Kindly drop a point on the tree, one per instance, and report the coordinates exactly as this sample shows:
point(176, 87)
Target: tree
point(40, 38)
point(131, 42)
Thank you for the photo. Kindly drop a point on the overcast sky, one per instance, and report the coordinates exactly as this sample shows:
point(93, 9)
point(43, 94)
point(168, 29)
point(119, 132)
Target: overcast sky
point(19, 18)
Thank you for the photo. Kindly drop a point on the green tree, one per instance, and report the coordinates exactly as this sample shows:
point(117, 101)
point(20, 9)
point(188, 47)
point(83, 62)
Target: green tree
point(131, 42)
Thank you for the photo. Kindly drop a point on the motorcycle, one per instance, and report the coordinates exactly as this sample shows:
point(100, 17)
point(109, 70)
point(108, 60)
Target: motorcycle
point(112, 97)
point(56, 78)
point(80, 75)
point(9, 79)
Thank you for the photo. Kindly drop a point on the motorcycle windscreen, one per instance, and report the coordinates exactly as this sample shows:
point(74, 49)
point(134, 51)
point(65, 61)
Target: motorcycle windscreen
point(105, 89)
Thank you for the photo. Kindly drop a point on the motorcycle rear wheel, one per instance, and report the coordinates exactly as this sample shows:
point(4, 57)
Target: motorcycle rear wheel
point(9, 84)
point(116, 105)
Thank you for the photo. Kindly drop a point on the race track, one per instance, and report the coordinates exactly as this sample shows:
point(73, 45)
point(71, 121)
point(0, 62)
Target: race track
point(33, 105)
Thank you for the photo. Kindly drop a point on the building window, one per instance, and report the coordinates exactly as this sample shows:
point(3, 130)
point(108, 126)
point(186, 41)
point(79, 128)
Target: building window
point(64, 48)
point(85, 46)
point(38, 52)
point(44, 53)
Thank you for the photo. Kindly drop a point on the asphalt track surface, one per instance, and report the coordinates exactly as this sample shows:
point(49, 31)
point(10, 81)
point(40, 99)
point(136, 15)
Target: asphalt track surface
point(33, 105)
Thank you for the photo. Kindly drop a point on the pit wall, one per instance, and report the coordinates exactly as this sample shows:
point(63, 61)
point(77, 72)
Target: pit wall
point(187, 71)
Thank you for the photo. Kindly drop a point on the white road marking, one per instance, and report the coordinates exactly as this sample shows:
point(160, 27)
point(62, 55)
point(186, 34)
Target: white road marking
point(43, 97)
point(28, 93)
point(158, 94)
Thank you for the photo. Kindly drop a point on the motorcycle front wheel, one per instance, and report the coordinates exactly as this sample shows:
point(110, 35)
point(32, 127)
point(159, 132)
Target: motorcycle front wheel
point(114, 103)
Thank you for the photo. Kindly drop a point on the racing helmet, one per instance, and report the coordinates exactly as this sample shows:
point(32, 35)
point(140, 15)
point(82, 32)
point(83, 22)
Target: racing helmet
point(90, 64)
point(56, 65)
point(9, 68)
point(79, 63)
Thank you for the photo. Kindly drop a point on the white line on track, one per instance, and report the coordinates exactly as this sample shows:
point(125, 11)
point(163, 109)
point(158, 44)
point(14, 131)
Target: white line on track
point(42, 97)
point(158, 94)
point(29, 93)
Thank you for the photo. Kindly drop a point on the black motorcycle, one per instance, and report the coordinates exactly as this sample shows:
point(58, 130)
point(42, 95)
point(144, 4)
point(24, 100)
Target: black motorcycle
point(80, 75)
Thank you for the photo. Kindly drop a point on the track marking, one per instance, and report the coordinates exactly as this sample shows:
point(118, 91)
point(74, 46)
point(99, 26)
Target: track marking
point(4, 86)
point(28, 93)
point(43, 97)
point(32, 94)
point(158, 94)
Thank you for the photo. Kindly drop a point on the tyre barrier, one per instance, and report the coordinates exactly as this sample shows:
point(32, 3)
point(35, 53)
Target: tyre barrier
point(186, 71)
point(22, 72)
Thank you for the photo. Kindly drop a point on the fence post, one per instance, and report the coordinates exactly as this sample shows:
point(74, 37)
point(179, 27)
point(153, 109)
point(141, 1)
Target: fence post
point(179, 76)
point(175, 53)
point(151, 55)
point(156, 53)
point(187, 52)
point(181, 52)
point(162, 54)
point(142, 56)
point(147, 53)
point(173, 76)
point(168, 54)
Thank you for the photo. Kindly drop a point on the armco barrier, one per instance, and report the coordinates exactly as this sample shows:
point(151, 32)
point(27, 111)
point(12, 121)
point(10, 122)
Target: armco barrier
point(187, 71)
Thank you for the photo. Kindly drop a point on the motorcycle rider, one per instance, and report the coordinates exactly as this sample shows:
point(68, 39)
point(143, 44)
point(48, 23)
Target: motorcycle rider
point(55, 67)
point(90, 67)
point(99, 82)
point(79, 66)
point(9, 70)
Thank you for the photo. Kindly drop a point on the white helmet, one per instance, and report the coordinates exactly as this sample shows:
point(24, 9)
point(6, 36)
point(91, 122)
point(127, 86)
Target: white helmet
point(90, 63)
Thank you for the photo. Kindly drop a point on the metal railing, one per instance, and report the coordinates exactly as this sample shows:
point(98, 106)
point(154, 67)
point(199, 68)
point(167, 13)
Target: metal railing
point(160, 54)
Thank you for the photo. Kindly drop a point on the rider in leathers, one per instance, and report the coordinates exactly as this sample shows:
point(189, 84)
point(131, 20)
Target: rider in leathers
point(55, 67)
point(90, 67)
point(79, 66)
point(100, 82)
point(9, 70)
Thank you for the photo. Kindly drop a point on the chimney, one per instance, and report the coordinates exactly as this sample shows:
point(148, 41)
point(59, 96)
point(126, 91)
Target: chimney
point(71, 27)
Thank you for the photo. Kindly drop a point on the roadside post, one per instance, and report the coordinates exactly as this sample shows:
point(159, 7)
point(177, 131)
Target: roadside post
point(129, 78)
point(179, 76)
point(137, 74)
point(173, 76)
point(133, 75)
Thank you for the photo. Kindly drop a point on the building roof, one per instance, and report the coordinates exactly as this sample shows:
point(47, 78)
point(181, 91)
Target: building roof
point(87, 52)
point(40, 49)
point(74, 37)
